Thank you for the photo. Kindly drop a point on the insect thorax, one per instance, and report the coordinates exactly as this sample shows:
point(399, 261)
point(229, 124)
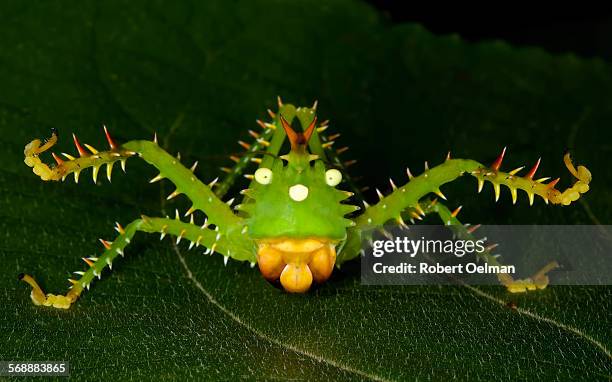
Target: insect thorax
point(295, 215)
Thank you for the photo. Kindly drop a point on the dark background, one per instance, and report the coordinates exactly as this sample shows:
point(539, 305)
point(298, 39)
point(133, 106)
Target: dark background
point(587, 35)
point(398, 95)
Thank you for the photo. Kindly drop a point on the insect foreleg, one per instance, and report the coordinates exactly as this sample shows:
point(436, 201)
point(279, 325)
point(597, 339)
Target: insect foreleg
point(201, 195)
point(74, 165)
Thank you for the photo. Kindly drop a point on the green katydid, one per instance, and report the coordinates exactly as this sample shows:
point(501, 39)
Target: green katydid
point(292, 219)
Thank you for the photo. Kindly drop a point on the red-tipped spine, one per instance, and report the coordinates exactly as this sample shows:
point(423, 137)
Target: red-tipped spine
point(111, 143)
point(57, 159)
point(533, 170)
point(80, 149)
point(105, 243)
point(497, 164)
point(456, 211)
point(473, 228)
point(553, 183)
point(87, 261)
point(491, 247)
point(253, 134)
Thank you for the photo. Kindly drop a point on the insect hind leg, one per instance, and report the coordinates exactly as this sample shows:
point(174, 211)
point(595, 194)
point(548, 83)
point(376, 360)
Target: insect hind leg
point(198, 235)
point(96, 266)
point(537, 281)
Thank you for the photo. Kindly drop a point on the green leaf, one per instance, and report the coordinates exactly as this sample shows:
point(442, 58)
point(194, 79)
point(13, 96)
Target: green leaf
point(398, 94)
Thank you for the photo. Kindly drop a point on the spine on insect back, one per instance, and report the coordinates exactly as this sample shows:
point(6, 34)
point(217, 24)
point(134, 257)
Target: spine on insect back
point(390, 207)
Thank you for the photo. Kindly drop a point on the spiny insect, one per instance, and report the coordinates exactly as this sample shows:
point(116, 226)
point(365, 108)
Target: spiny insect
point(292, 219)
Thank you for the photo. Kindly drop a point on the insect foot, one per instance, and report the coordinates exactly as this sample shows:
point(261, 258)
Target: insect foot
point(39, 297)
point(538, 281)
point(296, 262)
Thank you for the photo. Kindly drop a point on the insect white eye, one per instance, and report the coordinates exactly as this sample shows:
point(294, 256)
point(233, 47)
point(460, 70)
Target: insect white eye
point(298, 192)
point(333, 177)
point(263, 175)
